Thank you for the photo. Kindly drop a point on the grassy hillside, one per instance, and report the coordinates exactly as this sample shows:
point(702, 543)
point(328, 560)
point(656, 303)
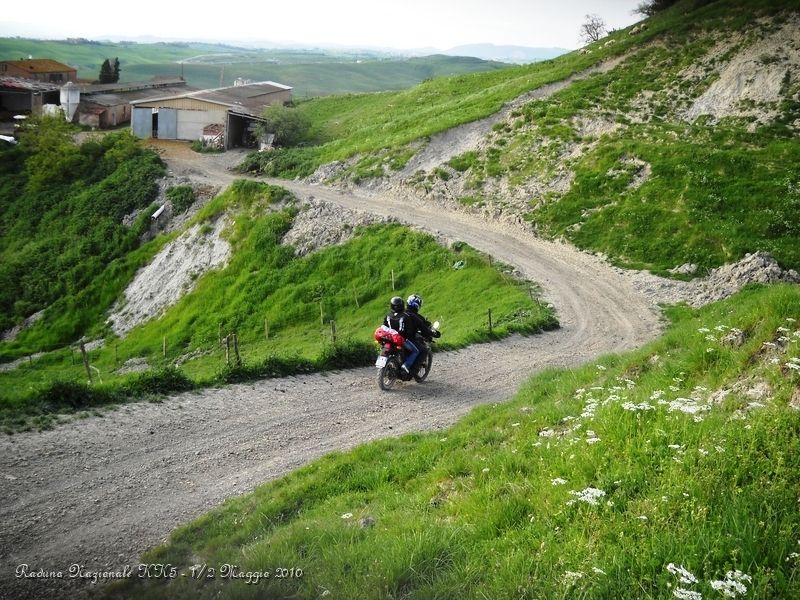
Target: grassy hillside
point(309, 72)
point(672, 468)
point(61, 213)
point(264, 289)
point(616, 162)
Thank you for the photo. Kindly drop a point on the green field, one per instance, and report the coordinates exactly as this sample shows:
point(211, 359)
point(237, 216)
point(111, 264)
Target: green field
point(308, 72)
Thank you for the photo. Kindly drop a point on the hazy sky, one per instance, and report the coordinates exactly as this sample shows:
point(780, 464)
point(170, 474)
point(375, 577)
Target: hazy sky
point(439, 24)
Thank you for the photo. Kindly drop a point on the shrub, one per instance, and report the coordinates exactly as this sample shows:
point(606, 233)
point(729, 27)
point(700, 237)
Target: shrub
point(181, 196)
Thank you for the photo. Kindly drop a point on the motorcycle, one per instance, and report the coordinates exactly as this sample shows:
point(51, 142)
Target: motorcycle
point(393, 355)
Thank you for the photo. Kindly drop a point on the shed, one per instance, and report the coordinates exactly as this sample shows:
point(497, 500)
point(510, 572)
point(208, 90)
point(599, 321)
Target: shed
point(39, 69)
point(185, 116)
point(26, 95)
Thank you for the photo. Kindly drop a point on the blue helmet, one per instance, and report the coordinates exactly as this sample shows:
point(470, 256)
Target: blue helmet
point(414, 302)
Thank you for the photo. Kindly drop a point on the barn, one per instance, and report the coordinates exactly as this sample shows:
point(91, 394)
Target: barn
point(234, 110)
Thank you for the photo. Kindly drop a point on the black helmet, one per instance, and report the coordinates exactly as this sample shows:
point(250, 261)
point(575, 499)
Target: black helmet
point(397, 304)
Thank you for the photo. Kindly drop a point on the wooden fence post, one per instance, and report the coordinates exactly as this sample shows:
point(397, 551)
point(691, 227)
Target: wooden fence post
point(333, 331)
point(236, 349)
point(86, 361)
point(228, 349)
point(490, 321)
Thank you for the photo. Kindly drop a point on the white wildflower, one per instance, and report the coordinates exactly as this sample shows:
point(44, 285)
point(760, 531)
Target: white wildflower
point(600, 367)
point(719, 449)
point(486, 470)
point(703, 451)
point(642, 406)
point(681, 573)
point(657, 395)
point(589, 495)
point(570, 577)
point(347, 516)
point(558, 481)
point(721, 327)
point(685, 594)
point(770, 345)
point(674, 388)
point(592, 440)
point(784, 330)
point(598, 571)
point(790, 319)
point(675, 447)
point(711, 338)
point(580, 391)
point(794, 366)
point(515, 424)
point(642, 517)
point(732, 586)
point(547, 433)
point(704, 330)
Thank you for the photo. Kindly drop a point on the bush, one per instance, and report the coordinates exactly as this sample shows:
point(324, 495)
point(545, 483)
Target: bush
point(347, 353)
point(289, 126)
point(181, 196)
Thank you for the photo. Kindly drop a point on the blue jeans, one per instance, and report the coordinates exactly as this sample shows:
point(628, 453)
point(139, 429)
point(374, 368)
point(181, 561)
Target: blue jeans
point(413, 353)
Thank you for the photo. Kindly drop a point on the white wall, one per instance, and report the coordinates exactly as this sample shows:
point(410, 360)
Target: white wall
point(191, 122)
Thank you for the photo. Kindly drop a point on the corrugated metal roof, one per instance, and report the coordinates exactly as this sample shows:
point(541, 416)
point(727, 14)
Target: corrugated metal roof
point(128, 86)
point(29, 85)
point(39, 65)
point(242, 98)
point(134, 95)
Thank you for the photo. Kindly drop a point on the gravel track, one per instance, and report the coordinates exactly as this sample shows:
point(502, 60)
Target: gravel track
point(100, 491)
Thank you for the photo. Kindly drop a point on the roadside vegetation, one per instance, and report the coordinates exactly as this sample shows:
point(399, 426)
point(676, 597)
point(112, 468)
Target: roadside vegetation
point(670, 470)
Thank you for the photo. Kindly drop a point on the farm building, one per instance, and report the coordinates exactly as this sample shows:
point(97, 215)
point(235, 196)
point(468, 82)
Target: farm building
point(106, 105)
point(39, 69)
point(234, 110)
point(19, 95)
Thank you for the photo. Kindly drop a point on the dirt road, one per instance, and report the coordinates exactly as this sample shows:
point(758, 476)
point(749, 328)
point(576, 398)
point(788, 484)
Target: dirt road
point(100, 491)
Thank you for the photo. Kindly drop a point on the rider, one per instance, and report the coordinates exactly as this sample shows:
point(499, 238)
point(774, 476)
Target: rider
point(398, 320)
point(415, 324)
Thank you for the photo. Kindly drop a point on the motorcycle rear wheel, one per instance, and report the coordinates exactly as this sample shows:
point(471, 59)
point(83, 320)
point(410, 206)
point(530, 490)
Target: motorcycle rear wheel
point(388, 374)
point(424, 368)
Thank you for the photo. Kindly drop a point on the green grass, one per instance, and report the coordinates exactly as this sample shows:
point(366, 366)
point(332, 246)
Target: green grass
point(493, 506)
point(264, 286)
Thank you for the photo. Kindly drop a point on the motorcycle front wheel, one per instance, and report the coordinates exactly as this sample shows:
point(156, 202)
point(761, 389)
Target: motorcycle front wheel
point(424, 368)
point(388, 374)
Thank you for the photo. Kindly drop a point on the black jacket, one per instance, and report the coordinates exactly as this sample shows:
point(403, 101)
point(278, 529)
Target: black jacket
point(414, 323)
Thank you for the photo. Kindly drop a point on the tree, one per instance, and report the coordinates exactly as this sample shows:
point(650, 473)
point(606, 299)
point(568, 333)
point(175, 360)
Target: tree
point(593, 29)
point(106, 73)
point(648, 8)
point(289, 126)
point(116, 71)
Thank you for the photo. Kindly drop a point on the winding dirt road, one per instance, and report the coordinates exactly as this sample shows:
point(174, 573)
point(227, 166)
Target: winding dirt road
point(100, 491)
